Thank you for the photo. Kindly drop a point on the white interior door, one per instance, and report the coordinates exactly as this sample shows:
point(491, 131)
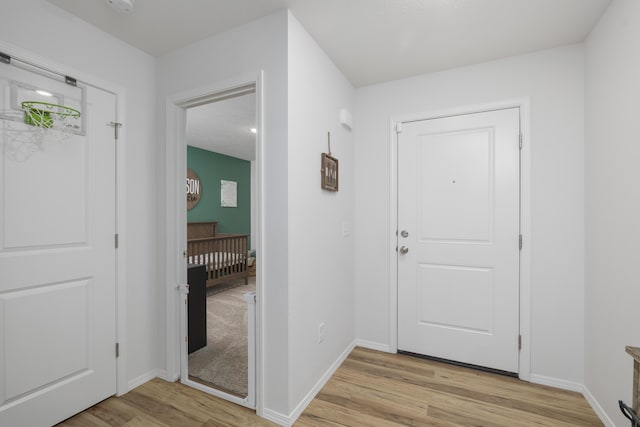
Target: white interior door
point(458, 238)
point(57, 256)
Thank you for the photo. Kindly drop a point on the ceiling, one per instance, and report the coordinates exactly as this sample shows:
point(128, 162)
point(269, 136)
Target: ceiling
point(224, 127)
point(371, 41)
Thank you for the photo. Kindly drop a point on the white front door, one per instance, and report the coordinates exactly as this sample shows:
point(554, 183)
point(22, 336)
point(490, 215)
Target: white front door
point(57, 257)
point(458, 238)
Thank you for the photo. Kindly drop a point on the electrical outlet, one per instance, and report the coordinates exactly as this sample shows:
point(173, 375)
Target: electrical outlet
point(320, 332)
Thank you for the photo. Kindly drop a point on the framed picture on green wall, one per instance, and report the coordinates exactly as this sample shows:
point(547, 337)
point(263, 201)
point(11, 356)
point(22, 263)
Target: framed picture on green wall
point(228, 194)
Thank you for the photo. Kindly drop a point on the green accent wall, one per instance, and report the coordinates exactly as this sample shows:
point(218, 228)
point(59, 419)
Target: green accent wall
point(212, 168)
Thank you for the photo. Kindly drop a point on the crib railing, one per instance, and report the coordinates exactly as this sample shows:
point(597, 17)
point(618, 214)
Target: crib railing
point(225, 256)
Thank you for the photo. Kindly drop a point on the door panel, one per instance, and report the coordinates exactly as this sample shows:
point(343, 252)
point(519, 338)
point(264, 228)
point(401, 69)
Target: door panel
point(456, 186)
point(439, 285)
point(29, 365)
point(458, 201)
point(55, 217)
point(57, 256)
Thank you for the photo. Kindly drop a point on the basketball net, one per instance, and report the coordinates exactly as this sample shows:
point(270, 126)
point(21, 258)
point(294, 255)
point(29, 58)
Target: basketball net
point(25, 132)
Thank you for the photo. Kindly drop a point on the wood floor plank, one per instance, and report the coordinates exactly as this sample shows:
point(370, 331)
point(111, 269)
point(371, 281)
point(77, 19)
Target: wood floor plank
point(476, 391)
point(119, 408)
point(371, 388)
point(501, 385)
point(468, 399)
point(144, 420)
point(488, 415)
point(517, 402)
point(344, 415)
point(161, 410)
point(201, 407)
point(86, 419)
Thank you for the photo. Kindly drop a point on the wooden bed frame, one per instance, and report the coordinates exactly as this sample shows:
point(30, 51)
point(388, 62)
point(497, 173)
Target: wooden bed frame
point(230, 260)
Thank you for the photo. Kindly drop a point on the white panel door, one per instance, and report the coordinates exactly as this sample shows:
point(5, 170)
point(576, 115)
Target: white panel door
point(458, 266)
point(57, 259)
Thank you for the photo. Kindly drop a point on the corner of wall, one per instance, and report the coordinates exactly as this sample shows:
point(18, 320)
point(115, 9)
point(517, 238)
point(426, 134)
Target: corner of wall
point(597, 408)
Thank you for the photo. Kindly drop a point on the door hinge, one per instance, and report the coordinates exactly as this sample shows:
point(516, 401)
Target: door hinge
point(520, 141)
point(117, 350)
point(519, 342)
point(116, 240)
point(520, 242)
point(115, 126)
point(398, 127)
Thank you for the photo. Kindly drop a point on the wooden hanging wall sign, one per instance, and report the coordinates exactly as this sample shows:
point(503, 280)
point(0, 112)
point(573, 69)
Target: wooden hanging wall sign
point(194, 189)
point(329, 169)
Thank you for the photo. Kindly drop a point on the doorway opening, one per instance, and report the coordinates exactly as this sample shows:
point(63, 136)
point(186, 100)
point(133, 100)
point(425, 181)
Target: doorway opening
point(216, 250)
point(221, 223)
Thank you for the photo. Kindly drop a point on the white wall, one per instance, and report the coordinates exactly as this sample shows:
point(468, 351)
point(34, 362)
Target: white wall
point(554, 81)
point(612, 205)
point(261, 45)
point(321, 267)
point(309, 264)
point(49, 32)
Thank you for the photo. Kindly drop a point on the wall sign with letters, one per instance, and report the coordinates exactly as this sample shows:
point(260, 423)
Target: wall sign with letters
point(194, 189)
point(329, 169)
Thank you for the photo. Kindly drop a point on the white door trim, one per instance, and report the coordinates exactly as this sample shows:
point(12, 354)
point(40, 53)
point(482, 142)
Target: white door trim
point(176, 213)
point(122, 384)
point(525, 218)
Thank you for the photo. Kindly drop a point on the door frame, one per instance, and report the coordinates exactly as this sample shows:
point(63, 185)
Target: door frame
point(24, 55)
point(176, 217)
point(524, 358)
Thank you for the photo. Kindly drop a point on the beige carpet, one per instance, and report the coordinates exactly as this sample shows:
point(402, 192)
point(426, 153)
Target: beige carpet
point(223, 362)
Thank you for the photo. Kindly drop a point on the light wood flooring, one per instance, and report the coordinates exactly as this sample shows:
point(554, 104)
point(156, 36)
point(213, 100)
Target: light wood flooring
point(369, 389)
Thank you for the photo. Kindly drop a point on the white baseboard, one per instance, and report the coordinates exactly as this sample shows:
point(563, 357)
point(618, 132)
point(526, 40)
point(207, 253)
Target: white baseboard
point(162, 374)
point(287, 421)
point(137, 382)
point(372, 345)
point(580, 388)
point(557, 383)
point(597, 408)
point(276, 417)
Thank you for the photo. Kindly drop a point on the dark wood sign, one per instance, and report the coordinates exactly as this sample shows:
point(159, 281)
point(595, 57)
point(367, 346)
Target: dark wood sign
point(329, 173)
point(194, 189)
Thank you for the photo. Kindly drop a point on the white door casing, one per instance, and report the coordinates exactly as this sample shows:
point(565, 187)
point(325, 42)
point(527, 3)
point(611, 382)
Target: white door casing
point(58, 267)
point(175, 211)
point(458, 200)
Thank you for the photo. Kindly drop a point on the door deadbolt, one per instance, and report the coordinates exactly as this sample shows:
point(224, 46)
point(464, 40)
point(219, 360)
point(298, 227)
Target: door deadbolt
point(404, 250)
point(404, 233)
